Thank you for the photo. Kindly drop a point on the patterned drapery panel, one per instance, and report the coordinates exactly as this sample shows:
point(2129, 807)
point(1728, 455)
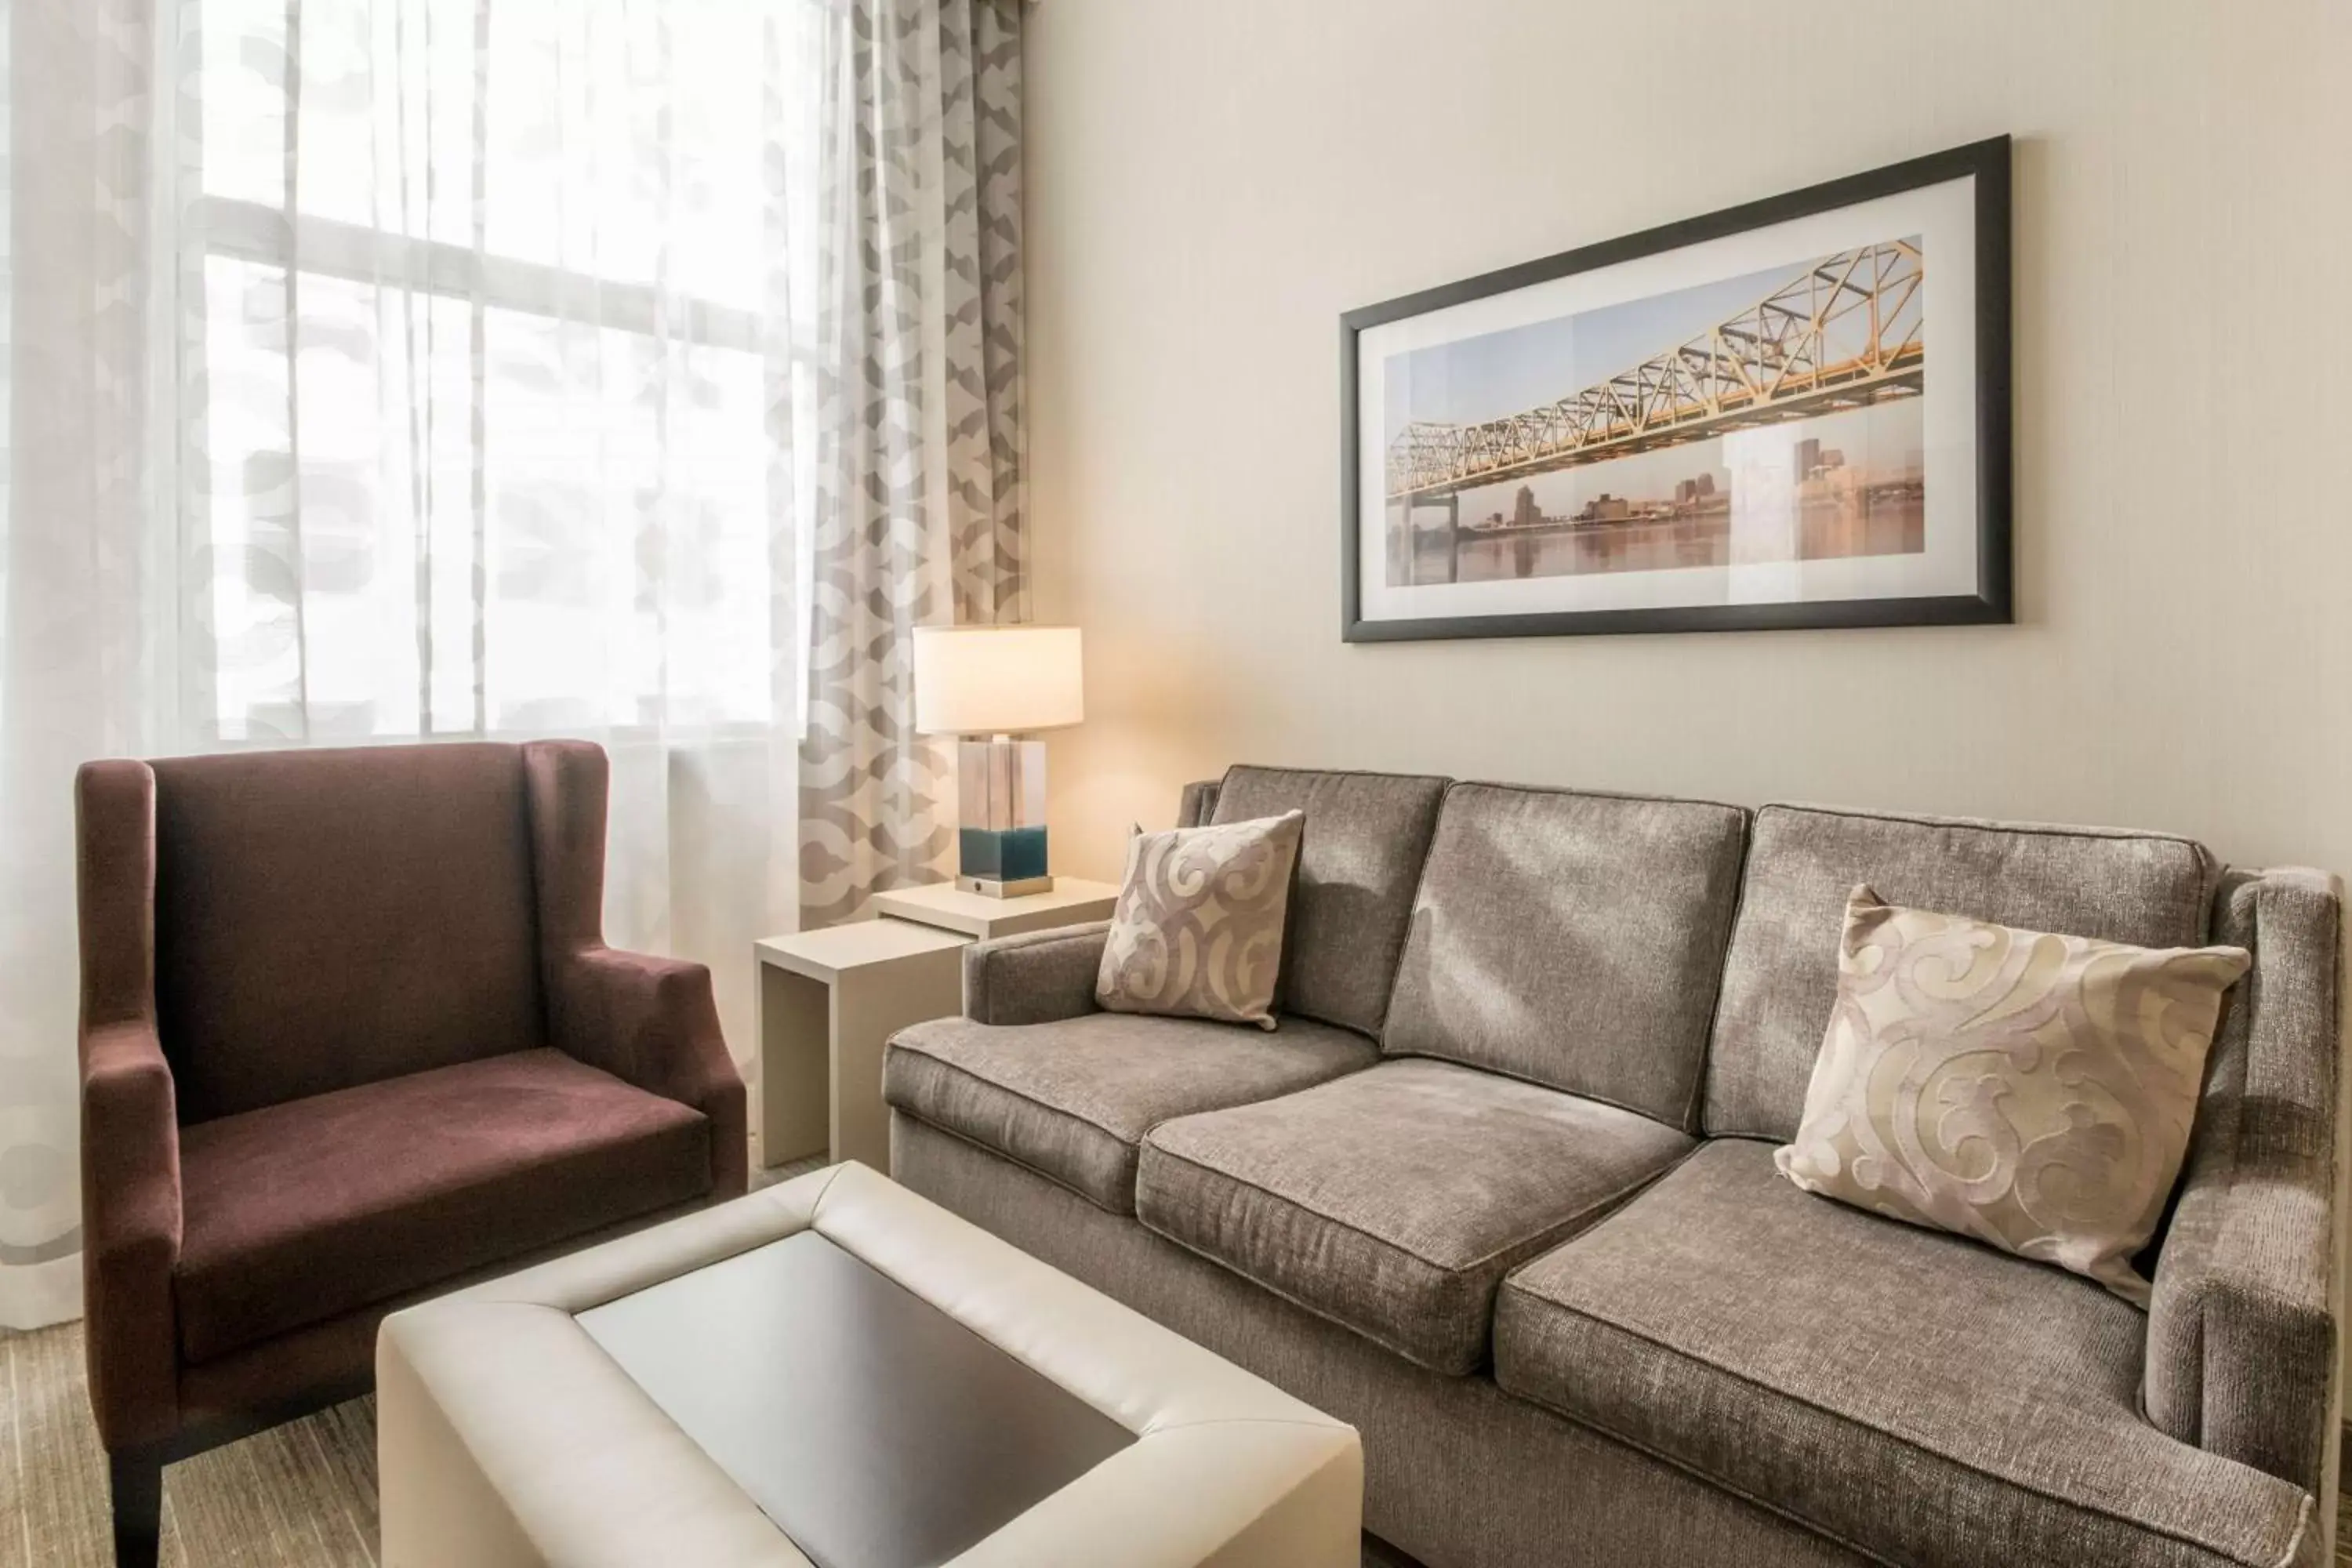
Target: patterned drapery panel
point(919, 507)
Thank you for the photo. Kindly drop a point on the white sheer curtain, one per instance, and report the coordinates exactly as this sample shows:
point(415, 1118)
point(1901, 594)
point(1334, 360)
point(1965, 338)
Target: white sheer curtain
point(399, 369)
point(82, 617)
point(484, 359)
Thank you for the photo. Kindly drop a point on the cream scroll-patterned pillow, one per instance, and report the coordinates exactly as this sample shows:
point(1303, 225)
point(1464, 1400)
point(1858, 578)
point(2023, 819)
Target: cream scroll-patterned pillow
point(1197, 931)
point(2032, 1091)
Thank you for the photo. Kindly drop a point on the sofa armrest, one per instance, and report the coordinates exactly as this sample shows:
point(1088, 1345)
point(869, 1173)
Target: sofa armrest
point(2242, 1334)
point(1198, 804)
point(654, 1023)
point(1034, 978)
point(131, 1232)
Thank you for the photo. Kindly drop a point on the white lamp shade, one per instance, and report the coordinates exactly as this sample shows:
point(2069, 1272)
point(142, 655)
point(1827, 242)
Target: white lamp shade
point(997, 680)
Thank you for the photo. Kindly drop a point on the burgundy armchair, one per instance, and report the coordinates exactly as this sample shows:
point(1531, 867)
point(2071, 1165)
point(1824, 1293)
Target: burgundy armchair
point(350, 1035)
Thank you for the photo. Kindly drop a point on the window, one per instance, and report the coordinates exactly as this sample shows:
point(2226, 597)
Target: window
point(488, 345)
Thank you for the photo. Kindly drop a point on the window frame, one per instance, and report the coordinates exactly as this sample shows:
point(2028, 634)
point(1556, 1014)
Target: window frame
point(251, 231)
point(241, 229)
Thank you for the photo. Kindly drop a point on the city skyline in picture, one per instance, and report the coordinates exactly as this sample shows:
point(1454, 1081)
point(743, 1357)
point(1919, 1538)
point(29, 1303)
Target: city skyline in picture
point(1773, 415)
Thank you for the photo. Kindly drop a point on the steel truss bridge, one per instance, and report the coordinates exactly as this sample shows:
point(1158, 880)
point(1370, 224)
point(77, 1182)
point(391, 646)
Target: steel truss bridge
point(1845, 333)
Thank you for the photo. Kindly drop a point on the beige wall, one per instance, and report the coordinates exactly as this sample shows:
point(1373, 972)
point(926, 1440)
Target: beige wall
point(1213, 182)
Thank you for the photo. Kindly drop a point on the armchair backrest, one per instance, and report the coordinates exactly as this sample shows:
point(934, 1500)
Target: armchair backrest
point(325, 918)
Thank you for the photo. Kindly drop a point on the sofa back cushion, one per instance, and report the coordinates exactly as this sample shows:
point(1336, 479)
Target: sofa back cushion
point(2148, 890)
point(331, 917)
point(1366, 836)
point(1572, 939)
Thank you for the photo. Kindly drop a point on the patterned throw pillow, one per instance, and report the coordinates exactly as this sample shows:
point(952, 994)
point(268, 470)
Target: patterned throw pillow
point(1197, 931)
point(2031, 1091)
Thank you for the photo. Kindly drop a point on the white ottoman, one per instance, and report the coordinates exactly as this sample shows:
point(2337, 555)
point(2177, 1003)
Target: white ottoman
point(835, 1372)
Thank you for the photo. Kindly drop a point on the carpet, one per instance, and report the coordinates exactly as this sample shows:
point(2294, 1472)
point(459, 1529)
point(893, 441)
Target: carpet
point(302, 1496)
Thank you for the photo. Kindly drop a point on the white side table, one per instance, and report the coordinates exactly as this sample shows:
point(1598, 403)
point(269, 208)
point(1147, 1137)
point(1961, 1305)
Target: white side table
point(830, 1000)
point(1072, 901)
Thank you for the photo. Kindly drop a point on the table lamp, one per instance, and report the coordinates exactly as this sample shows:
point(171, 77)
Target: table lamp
point(991, 685)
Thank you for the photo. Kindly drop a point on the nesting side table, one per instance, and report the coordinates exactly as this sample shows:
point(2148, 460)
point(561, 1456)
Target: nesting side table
point(829, 1000)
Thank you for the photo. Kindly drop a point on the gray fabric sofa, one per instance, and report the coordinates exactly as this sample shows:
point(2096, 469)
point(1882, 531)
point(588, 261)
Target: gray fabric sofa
point(1499, 1191)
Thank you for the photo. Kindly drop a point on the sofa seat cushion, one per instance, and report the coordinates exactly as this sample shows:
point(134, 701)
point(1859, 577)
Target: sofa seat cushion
point(1394, 1201)
point(1919, 1396)
point(1071, 1100)
point(297, 1212)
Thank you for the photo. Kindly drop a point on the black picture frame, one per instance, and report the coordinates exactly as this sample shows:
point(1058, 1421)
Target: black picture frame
point(1988, 164)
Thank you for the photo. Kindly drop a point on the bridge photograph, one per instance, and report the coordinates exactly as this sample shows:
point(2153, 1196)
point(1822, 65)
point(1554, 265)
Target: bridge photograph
point(1769, 417)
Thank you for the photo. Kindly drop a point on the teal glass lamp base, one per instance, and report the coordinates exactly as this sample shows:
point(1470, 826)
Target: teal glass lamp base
point(1001, 803)
point(1002, 864)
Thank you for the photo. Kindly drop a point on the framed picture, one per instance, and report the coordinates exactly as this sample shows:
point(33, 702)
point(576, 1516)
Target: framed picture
point(1793, 412)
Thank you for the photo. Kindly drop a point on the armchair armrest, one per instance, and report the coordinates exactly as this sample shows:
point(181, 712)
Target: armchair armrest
point(130, 1115)
point(2242, 1332)
point(1034, 978)
point(654, 1023)
point(650, 1022)
point(130, 1233)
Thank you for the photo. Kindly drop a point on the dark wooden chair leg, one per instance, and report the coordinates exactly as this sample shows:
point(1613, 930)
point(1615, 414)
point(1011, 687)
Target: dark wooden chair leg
point(136, 1478)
